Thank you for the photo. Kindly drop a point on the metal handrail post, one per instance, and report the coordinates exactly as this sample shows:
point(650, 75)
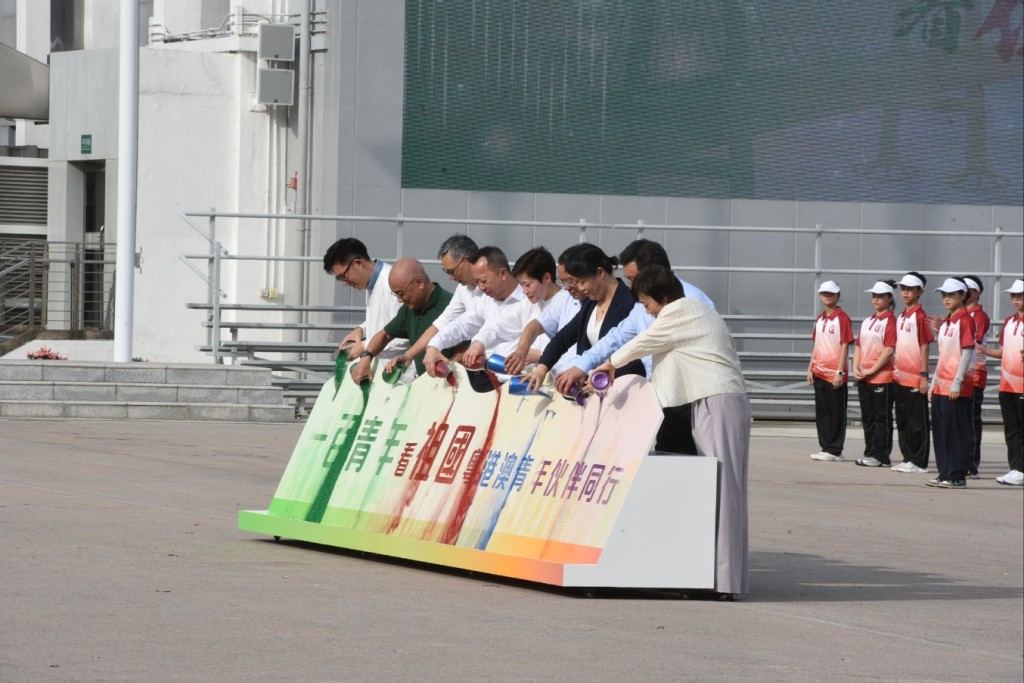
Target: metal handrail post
point(639, 231)
point(44, 313)
point(31, 291)
point(213, 285)
point(400, 236)
point(583, 230)
point(76, 289)
point(215, 307)
point(997, 266)
point(817, 263)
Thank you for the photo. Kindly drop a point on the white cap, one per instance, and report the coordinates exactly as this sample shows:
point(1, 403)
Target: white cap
point(972, 283)
point(911, 281)
point(1016, 288)
point(951, 285)
point(881, 288)
point(829, 287)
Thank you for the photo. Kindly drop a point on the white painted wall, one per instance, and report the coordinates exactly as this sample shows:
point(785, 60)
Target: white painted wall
point(203, 145)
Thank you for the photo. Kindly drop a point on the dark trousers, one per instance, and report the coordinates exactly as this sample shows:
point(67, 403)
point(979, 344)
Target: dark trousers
point(1012, 407)
point(876, 417)
point(953, 436)
point(912, 424)
point(979, 397)
point(676, 432)
point(830, 415)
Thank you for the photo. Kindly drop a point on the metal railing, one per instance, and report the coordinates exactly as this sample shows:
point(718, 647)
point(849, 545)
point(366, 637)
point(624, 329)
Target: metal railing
point(758, 337)
point(56, 286)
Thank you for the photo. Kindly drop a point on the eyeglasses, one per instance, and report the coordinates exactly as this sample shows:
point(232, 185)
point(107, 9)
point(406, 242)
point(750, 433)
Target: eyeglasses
point(401, 293)
point(343, 276)
point(570, 283)
point(451, 271)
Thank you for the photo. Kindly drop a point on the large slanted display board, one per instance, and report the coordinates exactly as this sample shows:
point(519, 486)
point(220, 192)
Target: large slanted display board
point(530, 487)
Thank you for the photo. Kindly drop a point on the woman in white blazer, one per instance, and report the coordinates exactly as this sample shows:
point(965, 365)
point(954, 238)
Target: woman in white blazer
point(695, 362)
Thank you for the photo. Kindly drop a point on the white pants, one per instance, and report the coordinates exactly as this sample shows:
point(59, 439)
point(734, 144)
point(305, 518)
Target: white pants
point(721, 429)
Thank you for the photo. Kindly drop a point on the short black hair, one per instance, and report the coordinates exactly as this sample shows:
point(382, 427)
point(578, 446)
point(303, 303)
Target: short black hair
point(981, 285)
point(658, 283)
point(495, 257)
point(645, 253)
point(918, 275)
point(583, 260)
point(535, 264)
point(343, 251)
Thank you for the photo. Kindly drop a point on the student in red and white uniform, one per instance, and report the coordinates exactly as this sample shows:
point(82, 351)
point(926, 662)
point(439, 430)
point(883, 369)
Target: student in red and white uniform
point(910, 370)
point(872, 368)
point(951, 392)
point(1011, 385)
point(979, 373)
point(833, 334)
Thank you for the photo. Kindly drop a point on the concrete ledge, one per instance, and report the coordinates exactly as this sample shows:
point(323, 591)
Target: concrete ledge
point(283, 413)
point(54, 371)
point(229, 413)
point(207, 394)
point(97, 411)
point(141, 393)
point(44, 409)
point(23, 371)
point(162, 411)
point(117, 410)
point(26, 391)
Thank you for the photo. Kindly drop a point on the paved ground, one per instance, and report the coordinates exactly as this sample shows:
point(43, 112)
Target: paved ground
point(121, 560)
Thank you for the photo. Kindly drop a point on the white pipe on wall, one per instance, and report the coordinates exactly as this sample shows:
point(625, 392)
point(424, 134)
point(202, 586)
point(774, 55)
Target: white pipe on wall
point(127, 180)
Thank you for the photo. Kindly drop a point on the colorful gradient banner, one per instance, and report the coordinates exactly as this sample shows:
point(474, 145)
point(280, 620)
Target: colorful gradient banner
point(506, 484)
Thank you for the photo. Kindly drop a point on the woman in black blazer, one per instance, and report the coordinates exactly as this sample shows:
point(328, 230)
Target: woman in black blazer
point(608, 301)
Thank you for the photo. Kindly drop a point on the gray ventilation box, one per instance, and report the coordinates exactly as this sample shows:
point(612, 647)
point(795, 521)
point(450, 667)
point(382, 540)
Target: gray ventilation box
point(275, 86)
point(277, 41)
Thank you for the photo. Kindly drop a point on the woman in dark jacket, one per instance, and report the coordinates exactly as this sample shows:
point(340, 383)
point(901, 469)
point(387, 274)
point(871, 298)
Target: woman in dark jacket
point(608, 301)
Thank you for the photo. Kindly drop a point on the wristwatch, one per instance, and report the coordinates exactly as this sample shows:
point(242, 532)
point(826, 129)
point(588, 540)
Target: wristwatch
point(366, 354)
point(840, 373)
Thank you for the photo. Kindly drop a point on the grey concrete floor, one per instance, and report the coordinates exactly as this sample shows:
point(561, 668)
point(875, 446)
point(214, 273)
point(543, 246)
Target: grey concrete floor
point(121, 561)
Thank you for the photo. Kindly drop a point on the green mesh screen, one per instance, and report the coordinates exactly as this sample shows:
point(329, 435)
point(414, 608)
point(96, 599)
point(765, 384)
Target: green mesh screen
point(873, 100)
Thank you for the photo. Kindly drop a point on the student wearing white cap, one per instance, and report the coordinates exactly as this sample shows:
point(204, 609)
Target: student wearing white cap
point(872, 368)
point(951, 392)
point(833, 334)
point(979, 371)
point(910, 370)
point(1011, 385)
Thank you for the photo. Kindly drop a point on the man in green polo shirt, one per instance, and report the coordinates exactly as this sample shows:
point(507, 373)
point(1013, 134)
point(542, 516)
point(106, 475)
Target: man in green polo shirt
point(422, 301)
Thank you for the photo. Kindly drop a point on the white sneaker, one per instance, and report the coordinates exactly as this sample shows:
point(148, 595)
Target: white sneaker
point(869, 462)
point(826, 457)
point(1012, 478)
point(908, 467)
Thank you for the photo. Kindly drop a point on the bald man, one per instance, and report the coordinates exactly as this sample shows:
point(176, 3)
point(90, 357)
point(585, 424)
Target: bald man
point(421, 302)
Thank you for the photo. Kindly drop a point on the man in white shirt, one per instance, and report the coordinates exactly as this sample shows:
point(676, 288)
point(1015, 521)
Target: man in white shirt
point(639, 254)
point(350, 264)
point(485, 321)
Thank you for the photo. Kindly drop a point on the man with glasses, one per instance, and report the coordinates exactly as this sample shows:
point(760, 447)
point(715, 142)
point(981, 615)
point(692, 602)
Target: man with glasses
point(421, 301)
point(483, 322)
point(350, 264)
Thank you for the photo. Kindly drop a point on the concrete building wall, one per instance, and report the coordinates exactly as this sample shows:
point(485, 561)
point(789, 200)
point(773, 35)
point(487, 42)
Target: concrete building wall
point(364, 131)
point(203, 143)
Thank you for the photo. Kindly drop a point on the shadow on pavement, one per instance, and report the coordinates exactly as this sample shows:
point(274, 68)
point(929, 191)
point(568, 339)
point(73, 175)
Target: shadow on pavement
point(774, 577)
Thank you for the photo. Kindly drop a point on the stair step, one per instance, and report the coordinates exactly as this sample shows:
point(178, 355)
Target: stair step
point(143, 373)
point(123, 410)
point(139, 392)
